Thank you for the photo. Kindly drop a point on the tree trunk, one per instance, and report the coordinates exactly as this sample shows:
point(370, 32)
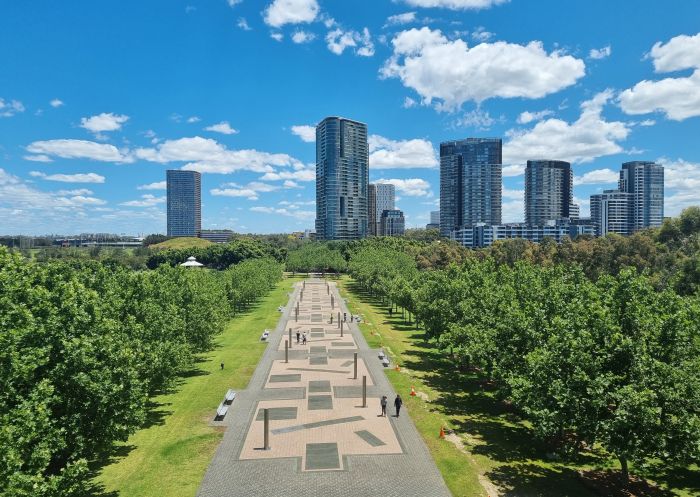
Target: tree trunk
point(624, 469)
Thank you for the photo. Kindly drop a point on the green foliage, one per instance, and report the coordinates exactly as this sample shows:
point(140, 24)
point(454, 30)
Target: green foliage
point(317, 257)
point(218, 255)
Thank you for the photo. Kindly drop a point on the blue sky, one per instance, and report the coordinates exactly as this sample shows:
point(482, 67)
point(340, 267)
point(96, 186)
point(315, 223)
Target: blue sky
point(98, 99)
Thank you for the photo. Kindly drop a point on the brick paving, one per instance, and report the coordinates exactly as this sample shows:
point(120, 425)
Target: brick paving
point(323, 442)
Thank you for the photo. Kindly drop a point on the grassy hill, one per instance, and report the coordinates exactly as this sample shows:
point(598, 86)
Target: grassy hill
point(180, 243)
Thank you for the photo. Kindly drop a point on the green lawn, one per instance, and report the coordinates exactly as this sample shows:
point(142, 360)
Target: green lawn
point(169, 457)
point(497, 443)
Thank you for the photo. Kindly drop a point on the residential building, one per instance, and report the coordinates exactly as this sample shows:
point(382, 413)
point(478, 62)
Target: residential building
point(392, 223)
point(184, 205)
point(216, 236)
point(342, 178)
point(484, 235)
point(470, 183)
point(610, 212)
point(434, 223)
point(549, 188)
point(644, 181)
point(381, 197)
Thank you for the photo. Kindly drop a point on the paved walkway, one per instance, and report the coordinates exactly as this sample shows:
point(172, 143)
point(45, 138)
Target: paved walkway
point(323, 442)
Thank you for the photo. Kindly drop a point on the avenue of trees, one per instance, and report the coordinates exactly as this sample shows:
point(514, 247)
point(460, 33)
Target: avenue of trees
point(608, 359)
point(84, 344)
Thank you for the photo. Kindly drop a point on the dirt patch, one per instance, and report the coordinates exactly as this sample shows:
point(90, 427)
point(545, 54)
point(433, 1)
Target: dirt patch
point(611, 484)
point(423, 396)
point(491, 489)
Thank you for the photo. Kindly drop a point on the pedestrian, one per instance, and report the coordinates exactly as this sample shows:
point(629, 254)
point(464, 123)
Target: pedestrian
point(384, 402)
point(303, 338)
point(298, 337)
point(398, 403)
point(331, 318)
point(222, 366)
point(391, 311)
point(345, 316)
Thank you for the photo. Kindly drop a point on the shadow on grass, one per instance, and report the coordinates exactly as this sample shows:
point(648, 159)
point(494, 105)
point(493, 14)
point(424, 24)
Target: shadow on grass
point(527, 479)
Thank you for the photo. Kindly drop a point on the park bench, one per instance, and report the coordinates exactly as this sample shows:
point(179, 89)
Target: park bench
point(265, 335)
point(221, 411)
point(230, 395)
point(280, 308)
point(358, 318)
point(382, 355)
point(385, 362)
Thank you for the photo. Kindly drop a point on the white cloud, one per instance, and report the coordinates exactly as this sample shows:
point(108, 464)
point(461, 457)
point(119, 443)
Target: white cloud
point(300, 172)
point(528, 117)
point(277, 36)
point(295, 213)
point(249, 191)
point(79, 149)
point(243, 24)
point(78, 191)
point(481, 35)
point(223, 127)
point(233, 3)
point(409, 103)
point(513, 205)
point(682, 183)
point(56, 103)
point(305, 132)
point(208, 156)
point(600, 53)
point(339, 39)
point(456, 4)
point(647, 122)
point(38, 158)
point(476, 118)
point(412, 187)
point(405, 18)
point(677, 98)
point(10, 108)
point(512, 170)
point(193, 119)
point(597, 177)
point(452, 73)
point(158, 185)
point(70, 178)
point(281, 12)
point(103, 122)
point(302, 36)
point(587, 138)
point(146, 200)
point(401, 154)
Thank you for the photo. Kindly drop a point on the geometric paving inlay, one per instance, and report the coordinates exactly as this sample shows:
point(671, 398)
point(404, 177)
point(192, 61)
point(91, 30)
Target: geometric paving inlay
point(318, 402)
point(278, 413)
point(369, 438)
point(319, 386)
point(284, 378)
point(317, 424)
point(322, 456)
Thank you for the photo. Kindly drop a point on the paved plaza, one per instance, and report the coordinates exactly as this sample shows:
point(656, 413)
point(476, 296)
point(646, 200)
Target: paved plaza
point(322, 440)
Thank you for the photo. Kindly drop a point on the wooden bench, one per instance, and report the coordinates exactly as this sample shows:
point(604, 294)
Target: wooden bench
point(230, 395)
point(221, 411)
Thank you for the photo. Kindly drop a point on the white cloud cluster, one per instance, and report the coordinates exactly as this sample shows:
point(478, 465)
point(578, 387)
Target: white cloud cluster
point(583, 140)
point(158, 185)
point(678, 98)
point(305, 132)
point(398, 19)
point(597, 177)
point(600, 53)
point(10, 108)
point(298, 172)
point(412, 187)
point(339, 39)
point(243, 24)
point(476, 118)
point(302, 36)
point(528, 117)
point(450, 72)
point(103, 122)
point(281, 12)
point(249, 191)
point(69, 178)
point(290, 212)
point(481, 35)
point(78, 149)
point(682, 183)
point(146, 200)
point(223, 127)
point(56, 103)
point(401, 154)
point(456, 4)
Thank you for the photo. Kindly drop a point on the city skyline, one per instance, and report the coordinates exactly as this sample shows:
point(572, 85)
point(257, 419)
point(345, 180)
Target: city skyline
point(90, 119)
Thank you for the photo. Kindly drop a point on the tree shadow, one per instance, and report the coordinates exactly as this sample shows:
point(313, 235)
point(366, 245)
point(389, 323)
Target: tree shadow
point(533, 480)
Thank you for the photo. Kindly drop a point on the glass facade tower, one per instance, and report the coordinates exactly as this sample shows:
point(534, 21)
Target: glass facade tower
point(548, 191)
point(382, 197)
point(342, 179)
point(470, 183)
point(644, 181)
point(184, 206)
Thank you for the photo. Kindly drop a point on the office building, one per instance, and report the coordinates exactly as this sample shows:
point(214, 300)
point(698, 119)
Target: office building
point(548, 191)
point(216, 236)
point(392, 223)
point(434, 223)
point(644, 181)
point(470, 183)
point(483, 235)
point(381, 197)
point(342, 178)
point(184, 205)
point(610, 212)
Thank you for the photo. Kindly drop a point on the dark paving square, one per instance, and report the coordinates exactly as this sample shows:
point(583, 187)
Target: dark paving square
point(317, 349)
point(315, 307)
point(347, 363)
point(278, 413)
point(322, 456)
point(318, 361)
point(319, 402)
point(342, 344)
point(284, 378)
point(369, 438)
point(316, 318)
point(318, 335)
point(316, 330)
point(319, 386)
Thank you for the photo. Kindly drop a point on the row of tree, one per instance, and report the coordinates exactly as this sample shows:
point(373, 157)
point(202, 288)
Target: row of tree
point(84, 344)
point(219, 255)
point(611, 362)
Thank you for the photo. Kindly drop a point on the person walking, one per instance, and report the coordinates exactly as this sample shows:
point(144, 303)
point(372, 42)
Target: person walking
point(384, 402)
point(303, 338)
point(298, 337)
point(222, 365)
point(397, 404)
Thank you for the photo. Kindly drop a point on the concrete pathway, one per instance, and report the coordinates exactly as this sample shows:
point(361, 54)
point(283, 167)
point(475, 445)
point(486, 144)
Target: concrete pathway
point(323, 441)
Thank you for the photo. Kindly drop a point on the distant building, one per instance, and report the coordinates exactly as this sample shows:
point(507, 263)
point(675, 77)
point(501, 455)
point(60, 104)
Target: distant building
point(342, 178)
point(548, 191)
point(184, 206)
point(610, 212)
point(644, 181)
point(392, 223)
point(309, 235)
point(217, 236)
point(470, 183)
point(381, 197)
point(482, 235)
point(434, 223)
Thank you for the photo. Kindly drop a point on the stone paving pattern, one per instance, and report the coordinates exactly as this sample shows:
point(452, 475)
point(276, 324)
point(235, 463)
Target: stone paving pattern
point(322, 442)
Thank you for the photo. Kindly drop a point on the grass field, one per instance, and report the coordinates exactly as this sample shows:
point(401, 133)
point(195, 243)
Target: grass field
point(497, 446)
point(181, 243)
point(170, 455)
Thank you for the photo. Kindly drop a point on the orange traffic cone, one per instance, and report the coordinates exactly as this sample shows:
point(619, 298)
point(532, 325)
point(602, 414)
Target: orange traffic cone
point(442, 432)
point(397, 368)
point(413, 391)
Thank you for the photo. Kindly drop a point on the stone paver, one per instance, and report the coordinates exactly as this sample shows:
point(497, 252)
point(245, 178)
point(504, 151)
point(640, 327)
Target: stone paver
point(323, 442)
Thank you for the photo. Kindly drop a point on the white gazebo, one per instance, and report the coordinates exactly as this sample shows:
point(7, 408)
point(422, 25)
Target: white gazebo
point(191, 262)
